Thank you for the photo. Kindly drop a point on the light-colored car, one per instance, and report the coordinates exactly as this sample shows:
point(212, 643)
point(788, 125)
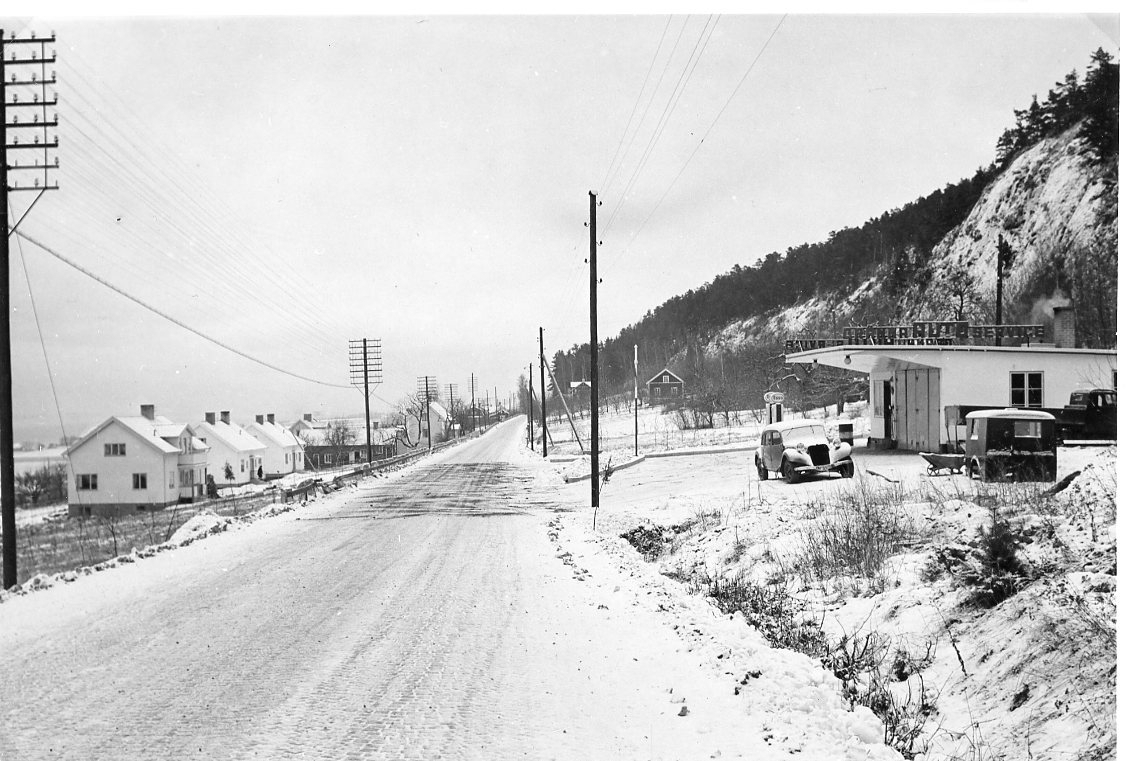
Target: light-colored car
point(798, 448)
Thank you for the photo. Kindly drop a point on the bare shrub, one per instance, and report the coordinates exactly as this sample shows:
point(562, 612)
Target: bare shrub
point(860, 663)
point(855, 537)
point(770, 609)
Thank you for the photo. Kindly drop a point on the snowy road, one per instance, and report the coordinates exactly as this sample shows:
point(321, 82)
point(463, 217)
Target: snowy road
point(427, 615)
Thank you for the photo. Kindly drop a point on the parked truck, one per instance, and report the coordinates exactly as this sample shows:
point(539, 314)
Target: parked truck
point(1091, 414)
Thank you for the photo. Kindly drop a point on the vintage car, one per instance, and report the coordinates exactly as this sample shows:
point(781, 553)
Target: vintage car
point(1010, 444)
point(798, 448)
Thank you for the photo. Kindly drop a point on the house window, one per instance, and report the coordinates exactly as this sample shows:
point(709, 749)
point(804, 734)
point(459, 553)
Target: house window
point(286, 457)
point(1026, 389)
point(114, 450)
point(87, 481)
point(666, 378)
point(242, 466)
point(172, 480)
point(140, 480)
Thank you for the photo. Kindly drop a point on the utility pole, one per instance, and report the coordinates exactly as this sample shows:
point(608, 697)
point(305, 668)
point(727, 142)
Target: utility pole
point(427, 384)
point(28, 55)
point(541, 365)
point(636, 393)
point(594, 446)
point(365, 371)
point(451, 387)
point(474, 422)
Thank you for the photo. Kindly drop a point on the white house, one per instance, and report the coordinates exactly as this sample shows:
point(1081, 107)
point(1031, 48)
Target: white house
point(127, 464)
point(911, 385)
point(283, 453)
point(229, 445)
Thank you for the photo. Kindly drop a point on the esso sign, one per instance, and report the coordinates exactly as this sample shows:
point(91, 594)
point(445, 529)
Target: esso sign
point(774, 397)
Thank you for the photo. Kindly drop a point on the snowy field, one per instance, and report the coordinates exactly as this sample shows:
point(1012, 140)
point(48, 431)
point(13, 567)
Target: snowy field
point(1032, 677)
point(660, 431)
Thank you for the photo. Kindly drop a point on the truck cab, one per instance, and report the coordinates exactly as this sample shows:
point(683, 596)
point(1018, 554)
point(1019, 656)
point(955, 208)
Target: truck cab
point(1011, 445)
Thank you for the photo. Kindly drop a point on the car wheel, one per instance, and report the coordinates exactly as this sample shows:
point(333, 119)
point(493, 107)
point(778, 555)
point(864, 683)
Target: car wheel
point(848, 470)
point(788, 472)
point(990, 472)
point(762, 471)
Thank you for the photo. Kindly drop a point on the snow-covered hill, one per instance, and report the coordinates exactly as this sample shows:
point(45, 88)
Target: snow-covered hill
point(1052, 204)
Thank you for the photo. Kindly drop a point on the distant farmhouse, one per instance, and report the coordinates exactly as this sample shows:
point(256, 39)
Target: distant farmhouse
point(321, 452)
point(665, 386)
point(127, 464)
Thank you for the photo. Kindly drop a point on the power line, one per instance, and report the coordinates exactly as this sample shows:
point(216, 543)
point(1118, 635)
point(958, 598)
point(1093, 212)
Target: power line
point(170, 318)
point(704, 136)
point(639, 97)
point(654, 91)
point(42, 342)
point(668, 111)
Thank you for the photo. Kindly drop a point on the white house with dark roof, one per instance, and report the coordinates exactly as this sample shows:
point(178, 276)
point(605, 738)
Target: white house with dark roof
point(283, 451)
point(229, 444)
point(126, 464)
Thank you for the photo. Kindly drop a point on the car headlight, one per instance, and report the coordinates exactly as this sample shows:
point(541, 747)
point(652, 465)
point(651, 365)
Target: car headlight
point(802, 448)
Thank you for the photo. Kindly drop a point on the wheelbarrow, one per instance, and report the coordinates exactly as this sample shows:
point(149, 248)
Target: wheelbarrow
point(943, 464)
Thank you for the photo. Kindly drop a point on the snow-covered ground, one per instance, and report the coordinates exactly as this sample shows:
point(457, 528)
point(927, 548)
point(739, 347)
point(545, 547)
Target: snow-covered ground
point(660, 431)
point(1032, 677)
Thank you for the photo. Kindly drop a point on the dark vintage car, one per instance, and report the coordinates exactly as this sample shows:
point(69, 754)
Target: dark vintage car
point(799, 448)
point(1010, 445)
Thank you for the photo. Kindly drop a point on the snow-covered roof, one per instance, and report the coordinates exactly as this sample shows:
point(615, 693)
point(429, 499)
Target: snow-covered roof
point(231, 436)
point(1012, 413)
point(153, 431)
point(273, 434)
point(316, 434)
point(438, 410)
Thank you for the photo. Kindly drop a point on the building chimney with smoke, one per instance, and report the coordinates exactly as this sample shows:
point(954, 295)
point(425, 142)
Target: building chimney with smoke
point(1063, 326)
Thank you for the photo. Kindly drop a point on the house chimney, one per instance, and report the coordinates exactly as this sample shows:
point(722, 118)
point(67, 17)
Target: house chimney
point(1063, 326)
point(148, 411)
point(271, 418)
point(225, 416)
point(210, 418)
point(308, 417)
point(259, 419)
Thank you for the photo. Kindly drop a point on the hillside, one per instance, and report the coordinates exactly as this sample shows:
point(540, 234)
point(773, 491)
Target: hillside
point(1053, 205)
point(1050, 198)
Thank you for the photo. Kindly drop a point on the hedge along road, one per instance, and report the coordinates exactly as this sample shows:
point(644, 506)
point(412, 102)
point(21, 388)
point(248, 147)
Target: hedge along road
point(424, 615)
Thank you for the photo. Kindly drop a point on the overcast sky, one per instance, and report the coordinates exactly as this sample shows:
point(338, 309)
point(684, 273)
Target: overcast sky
point(283, 185)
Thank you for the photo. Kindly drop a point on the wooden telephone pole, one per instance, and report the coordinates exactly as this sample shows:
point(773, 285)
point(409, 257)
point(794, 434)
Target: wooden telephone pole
point(594, 444)
point(28, 59)
point(365, 371)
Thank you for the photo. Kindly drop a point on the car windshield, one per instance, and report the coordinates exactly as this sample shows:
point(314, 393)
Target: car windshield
point(809, 434)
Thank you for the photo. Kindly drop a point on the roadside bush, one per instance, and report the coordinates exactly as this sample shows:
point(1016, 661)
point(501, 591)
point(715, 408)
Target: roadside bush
point(647, 540)
point(770, 609)
point(855, 537)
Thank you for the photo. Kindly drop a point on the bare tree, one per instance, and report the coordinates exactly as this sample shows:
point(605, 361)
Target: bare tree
point(339, 435)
